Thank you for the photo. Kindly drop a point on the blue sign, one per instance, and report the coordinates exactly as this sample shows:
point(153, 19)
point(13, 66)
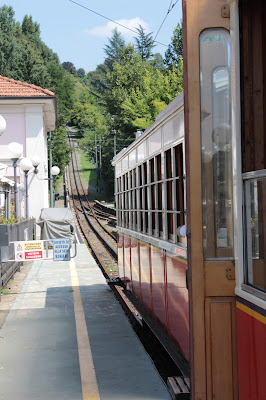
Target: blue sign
point(61, 249)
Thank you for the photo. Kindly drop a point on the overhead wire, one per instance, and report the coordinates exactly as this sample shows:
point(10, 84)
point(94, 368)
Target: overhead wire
point(109, 19)
point(171, 6)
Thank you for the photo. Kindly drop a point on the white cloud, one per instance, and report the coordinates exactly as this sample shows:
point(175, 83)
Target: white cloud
point(106, 30)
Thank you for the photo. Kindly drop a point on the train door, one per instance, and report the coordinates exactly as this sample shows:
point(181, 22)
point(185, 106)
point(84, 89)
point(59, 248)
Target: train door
point(250, 193)
point(208, 83)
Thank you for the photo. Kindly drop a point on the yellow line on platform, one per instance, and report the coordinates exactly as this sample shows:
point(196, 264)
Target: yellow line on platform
point(87, 371)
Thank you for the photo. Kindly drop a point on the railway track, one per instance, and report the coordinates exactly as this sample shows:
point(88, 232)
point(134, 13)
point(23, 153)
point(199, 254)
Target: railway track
point(102, 245)
point(101, 241)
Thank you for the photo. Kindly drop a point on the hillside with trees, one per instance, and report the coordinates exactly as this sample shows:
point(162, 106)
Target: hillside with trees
point(124, 94)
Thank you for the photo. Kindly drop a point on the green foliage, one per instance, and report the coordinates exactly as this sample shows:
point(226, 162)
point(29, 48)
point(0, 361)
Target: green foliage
point(144, 44)
point(114, 49)
point(60, 149)
point(175, 48)
point(125, 93)
point(137, 92)
point(10, 221)
point(81, 73)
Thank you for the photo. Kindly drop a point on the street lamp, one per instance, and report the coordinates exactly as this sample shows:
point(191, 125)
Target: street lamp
point(54, 171)
point(35, 163)
point(16, 150)
point(26, 164)
point(2, 125)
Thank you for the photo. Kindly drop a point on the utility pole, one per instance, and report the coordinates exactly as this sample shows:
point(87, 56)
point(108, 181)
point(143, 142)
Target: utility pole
point(100, 152)
point(113, 133)
point(50, 166)
point(96, 159)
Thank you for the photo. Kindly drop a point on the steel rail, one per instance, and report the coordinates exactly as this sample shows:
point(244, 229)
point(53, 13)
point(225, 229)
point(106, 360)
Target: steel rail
point(87, 201)
point(100, 236)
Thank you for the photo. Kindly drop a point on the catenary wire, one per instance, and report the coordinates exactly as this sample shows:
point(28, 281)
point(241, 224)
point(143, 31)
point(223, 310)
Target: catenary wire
point(109, 19)
point(171, 6)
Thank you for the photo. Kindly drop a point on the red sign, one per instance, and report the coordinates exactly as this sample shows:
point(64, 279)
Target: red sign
point(32, 255)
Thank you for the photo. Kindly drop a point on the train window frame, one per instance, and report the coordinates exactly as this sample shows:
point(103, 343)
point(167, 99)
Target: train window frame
point(146, 194)
point(215, 249)
point(254, 233)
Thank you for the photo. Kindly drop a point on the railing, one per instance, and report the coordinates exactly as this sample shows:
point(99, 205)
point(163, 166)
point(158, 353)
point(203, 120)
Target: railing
point(24, 230)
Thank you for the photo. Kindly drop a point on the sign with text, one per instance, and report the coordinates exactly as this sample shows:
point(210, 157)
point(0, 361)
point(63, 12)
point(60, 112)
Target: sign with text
point(61, 249)
point(30, 250)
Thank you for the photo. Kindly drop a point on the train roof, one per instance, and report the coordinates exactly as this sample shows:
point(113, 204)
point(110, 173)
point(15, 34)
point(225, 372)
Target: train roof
point(167, 128)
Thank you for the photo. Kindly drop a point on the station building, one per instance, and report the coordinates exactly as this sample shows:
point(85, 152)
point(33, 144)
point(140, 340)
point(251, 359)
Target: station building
point(30, 113)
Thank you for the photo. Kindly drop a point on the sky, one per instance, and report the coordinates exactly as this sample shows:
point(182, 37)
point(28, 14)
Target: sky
point(79, 36)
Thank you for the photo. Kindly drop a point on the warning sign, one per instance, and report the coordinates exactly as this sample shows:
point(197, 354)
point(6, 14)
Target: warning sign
point(31, 250)
point(61, 249)
point(32, 246)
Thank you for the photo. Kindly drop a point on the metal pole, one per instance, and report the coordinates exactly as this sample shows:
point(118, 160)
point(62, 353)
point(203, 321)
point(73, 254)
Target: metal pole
point(54, 182)
point(50, 166)
point(64, 185)
point(96, 159)
point(7, 203)
point(15, 187)
point(100, 163)
point(114, 171)
point(27, 195)
point(114, 144)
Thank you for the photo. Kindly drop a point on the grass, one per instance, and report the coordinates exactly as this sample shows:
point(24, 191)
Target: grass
point(88, 169)
point(4, 289)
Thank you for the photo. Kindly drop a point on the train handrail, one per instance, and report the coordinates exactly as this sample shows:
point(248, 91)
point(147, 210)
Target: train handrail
point(254, 174)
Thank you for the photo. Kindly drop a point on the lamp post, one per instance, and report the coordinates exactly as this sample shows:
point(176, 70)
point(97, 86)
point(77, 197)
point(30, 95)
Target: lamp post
point(16, 151)
point(54, 171)
point(26, 164)
point(35, 163)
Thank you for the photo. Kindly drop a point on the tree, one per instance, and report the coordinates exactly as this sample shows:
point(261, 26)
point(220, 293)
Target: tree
point(144, 44)
point(114, 49)
point(30, 28)
point(175, 48)
point(60, 149)
point(81, 73)
point(136, 92)
point(67, 65)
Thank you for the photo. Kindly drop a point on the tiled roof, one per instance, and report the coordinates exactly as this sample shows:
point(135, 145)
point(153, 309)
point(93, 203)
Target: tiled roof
point(11, 88)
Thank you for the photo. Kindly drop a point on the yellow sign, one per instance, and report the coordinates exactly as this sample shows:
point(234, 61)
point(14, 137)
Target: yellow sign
point(32, 246)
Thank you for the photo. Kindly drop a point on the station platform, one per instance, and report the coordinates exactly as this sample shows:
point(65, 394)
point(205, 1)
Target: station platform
point(67, 338)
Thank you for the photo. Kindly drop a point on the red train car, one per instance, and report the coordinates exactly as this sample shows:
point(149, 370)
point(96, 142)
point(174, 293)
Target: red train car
point(150, 198)
point(212, 178)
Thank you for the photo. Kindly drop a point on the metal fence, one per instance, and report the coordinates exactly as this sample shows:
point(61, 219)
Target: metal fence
point(24, 230)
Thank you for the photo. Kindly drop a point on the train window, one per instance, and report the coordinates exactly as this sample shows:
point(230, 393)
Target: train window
point(253, 108)
point(169, 194)
point(126, 201)
point(152, 178)
point(150, 198)
point(179, 184)
point(216, 144)
point(135, 199)
point(255, 221)
point(159, 194)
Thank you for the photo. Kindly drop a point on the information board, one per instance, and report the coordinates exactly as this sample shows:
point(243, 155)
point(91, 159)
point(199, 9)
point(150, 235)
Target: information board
point(30, 250)
point(61, 249)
